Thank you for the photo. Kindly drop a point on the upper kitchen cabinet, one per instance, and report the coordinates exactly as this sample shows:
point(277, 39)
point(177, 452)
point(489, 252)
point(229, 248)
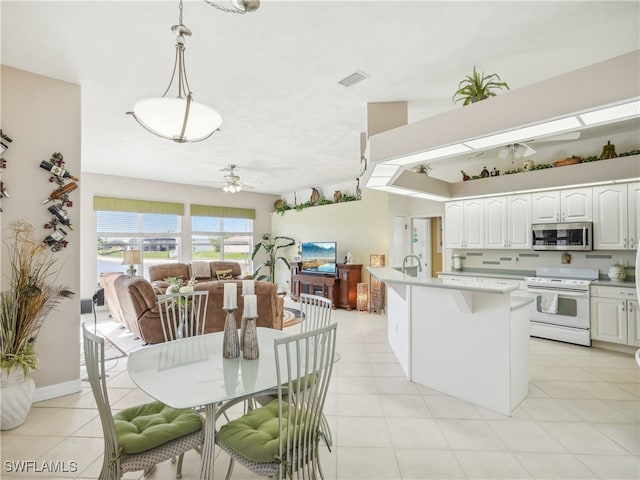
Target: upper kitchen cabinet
point(616, 210)
point(464, 224)
point(571, 205)
point(507, 221)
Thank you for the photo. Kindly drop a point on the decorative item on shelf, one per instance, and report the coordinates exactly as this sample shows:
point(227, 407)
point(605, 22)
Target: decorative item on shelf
point(376, 298)
point(315, 196)
point(617, 272)
point(362, 299)
point(477, 86)
point(565, 258)
point(484, 173)
point(567, 161)
point(30, 296)
point(131, 258)
point(528, 165)
point(495, 172)
point(608, 151)
point(337, 196)
point(358, 190)
point(422, 168)
point(465, 177)
point(231, 344)
point(348, 258)
point(249, 333)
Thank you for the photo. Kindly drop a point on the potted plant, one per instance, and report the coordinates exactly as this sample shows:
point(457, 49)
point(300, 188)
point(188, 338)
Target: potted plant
point(478, 86)
point(31, 295)
point(271, 245)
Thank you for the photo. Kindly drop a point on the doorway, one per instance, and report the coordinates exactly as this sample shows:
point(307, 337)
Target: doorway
point(426, 243)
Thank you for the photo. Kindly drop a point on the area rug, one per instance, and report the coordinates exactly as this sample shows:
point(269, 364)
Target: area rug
point(290, 317)
point(111, 351)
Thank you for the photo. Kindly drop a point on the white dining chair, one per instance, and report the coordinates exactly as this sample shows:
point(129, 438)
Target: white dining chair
point(142, 436)
point(183, 314)
point(316, 311)
point(281, 439)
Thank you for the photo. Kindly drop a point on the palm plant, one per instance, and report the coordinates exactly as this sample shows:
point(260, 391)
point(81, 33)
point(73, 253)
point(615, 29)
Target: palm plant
point(478, 86)
point(32, 294)
point(271, 245)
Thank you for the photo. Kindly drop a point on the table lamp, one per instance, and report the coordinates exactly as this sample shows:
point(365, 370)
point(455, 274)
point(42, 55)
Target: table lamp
point(131, 258)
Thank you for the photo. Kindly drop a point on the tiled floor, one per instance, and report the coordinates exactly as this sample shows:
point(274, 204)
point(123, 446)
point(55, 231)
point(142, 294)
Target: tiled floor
point(580, 420)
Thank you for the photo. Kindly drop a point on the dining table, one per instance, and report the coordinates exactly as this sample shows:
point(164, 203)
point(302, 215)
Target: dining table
point(191, 373)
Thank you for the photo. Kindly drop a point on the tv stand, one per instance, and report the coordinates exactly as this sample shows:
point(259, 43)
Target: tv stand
point(341, 290)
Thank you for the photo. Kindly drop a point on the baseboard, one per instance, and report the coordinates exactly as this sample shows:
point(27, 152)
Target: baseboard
point(57, 390)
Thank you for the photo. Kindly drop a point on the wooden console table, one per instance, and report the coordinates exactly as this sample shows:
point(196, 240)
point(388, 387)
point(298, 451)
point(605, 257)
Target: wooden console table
point(341, 290)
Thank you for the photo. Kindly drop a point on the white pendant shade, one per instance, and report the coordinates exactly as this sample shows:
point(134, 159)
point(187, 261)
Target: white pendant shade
point(165, 117)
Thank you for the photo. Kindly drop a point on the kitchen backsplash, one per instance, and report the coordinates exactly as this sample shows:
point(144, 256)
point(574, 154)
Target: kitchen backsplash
point(529, 259)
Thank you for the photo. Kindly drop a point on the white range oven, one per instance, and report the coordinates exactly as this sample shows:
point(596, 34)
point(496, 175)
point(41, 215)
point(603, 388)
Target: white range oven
point(561, 304)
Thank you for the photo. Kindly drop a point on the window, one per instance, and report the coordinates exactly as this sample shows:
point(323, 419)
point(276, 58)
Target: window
point(220, 233)
point(151, 227)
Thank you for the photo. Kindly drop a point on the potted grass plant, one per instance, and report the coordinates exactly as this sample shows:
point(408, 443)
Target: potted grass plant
point(31, 295)
point(478, 86)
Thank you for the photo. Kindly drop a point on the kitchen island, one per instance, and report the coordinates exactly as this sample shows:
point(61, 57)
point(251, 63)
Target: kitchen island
point(469, 341)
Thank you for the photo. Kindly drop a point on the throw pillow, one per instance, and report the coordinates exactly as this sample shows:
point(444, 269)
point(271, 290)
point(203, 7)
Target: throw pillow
point(224, 274)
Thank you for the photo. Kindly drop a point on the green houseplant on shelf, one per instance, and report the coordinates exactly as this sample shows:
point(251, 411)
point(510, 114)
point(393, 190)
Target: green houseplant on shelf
point(31, 295)
point(478, 86)
point(271, 245)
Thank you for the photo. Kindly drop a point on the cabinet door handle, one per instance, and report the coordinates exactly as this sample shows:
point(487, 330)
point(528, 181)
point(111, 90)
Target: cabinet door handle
point(630, 308)
point(563, 216)
point(623, 304)
point(632, 243)
point(625, 243)
point(557, 218)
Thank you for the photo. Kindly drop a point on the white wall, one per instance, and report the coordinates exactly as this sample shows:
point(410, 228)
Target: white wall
point(123, 187)
point(359, 227)
point(42, 116)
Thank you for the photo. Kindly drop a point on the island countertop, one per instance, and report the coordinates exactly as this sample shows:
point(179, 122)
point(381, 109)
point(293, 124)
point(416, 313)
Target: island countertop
point(391, 275)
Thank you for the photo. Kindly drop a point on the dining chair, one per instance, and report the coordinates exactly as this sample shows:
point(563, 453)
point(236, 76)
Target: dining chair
point(281, 439)
point(139, 437)
point(316, 311)
point(183, 314)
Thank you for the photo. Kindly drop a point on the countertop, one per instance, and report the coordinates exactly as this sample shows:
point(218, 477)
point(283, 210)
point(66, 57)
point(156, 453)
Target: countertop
point(390, 275)
point(628, 282)
point(606, 282)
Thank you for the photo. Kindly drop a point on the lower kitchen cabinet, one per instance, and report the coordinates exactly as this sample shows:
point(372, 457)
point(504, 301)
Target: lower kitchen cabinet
point(614, 316)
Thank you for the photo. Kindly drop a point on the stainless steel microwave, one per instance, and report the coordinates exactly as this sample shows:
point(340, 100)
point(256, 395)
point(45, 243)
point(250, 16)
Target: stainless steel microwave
point(562, 236)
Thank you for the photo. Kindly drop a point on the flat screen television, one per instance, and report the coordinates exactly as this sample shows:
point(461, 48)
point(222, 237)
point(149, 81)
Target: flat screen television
point(319, 258)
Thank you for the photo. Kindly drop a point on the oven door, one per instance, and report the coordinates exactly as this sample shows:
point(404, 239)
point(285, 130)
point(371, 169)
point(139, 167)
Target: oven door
point(570, 310)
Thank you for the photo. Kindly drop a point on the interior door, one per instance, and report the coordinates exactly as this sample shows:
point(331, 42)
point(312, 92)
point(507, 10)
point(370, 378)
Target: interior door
point(421, 241)
point(399, 241)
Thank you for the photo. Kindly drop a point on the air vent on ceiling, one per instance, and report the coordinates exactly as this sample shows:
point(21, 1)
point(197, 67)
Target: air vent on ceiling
point(354, 78)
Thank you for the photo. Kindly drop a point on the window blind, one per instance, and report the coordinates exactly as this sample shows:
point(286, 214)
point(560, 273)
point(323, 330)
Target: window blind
point(111, 204)
point(222, 212)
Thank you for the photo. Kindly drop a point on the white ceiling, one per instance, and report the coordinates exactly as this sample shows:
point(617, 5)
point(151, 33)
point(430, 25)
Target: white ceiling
point(274, 74)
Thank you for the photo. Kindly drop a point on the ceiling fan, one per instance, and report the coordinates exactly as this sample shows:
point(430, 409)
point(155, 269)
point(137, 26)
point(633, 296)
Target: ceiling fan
point(523, 150)
point(232, 182)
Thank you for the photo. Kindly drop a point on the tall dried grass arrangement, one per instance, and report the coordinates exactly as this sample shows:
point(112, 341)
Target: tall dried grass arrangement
point(31, 296)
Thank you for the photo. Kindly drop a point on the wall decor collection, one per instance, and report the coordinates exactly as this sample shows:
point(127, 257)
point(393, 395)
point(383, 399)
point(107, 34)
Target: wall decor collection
point(5, 140)
point(58, 202)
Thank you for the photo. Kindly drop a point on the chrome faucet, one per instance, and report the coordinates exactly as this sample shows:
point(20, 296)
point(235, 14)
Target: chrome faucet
point(404, 262)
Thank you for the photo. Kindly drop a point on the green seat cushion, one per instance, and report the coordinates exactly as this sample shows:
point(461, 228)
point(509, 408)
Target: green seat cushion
point(147, 426)
point(255, 435)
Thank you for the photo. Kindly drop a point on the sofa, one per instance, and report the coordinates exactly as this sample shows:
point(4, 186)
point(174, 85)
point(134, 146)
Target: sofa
point(201, 270)
point(136, 299)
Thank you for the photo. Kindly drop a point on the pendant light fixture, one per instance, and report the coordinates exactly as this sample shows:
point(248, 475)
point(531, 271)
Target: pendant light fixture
point(180, 118)
point(239, 6)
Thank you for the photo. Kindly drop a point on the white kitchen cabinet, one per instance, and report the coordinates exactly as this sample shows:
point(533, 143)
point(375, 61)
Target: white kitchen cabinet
point(519, 221)
point(571, 205)
point(454, 224)
point(616, 210)
point(464, 224)
point(614, 315)
point(507, 222)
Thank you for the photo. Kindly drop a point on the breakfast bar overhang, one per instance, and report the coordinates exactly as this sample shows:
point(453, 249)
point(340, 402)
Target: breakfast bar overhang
point(471, 342)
